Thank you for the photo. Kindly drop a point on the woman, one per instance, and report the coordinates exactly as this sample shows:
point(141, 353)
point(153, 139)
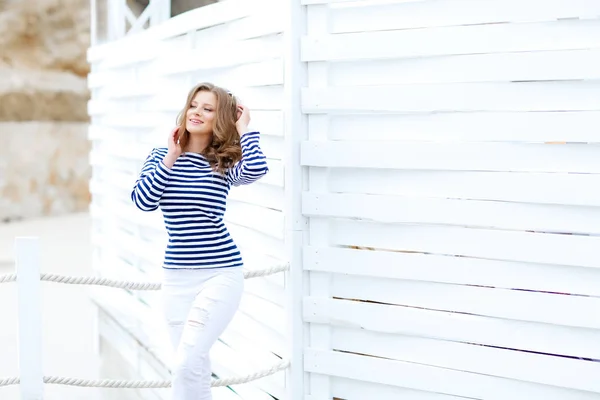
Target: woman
point(209, 151)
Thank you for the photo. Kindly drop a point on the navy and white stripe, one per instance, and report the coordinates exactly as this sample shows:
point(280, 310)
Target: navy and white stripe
point(192, 198)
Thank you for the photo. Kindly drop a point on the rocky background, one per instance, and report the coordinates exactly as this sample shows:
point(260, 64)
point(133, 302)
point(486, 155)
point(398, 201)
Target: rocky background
point(43, 107)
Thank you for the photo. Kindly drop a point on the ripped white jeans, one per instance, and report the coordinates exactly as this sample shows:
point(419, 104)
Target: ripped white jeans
point(198, 306)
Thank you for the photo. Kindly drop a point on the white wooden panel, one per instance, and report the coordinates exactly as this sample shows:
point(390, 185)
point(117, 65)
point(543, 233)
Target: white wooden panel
point(512, 67)
point(243, 322)
point(454, 270)
point(351, 389)
point(260, 219)
point(543, 248)
point(497, 97)
point(262, 73)
point(454, 212)
point(223, 55)
point(446, 41)
point(435, 379)
point(464, 328)
point(505, 363)
point(258, 194)
point(256, 98)
point(472, 127)
point(263, 311)
point(249, 237)
point(576, 158)
point(430, 14)
point(542, 188)
point(550, 308)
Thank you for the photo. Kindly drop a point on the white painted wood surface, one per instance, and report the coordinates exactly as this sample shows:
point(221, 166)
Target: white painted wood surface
point(452, 161)
point(138, 85)
point(27, 263)
point(433, 173)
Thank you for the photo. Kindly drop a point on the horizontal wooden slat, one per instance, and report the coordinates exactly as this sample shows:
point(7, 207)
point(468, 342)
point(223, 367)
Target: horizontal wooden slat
point(244, 322)
point(267, 98)
point(580, 251)
point(549, 308)
point(259, 194)
point(429, 14)
point(475, 97)
point(468, 127)
point(541, 188)
point(454, 212)
point(260, 219)
point(263, 311)
point(226, 55)
point(200, 18)
point(500, 67)
point(529, 367)
point(496, 332)
point(575, 158)
point(447, 41)
point(434, 379)
point(454, 270)
point(344, 388)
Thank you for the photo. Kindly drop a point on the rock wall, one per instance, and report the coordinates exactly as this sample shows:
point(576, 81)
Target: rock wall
point(44, 156)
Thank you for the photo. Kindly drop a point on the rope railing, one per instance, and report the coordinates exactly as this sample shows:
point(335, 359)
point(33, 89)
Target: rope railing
point(131, 285)
point(28, 277)
point(137, 384)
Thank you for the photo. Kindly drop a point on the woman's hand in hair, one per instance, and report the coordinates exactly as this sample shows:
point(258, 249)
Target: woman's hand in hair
point(243, 115)
point(173, 148)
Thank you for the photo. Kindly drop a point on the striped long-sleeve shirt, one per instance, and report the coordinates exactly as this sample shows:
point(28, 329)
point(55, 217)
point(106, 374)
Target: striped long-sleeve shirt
point(192, 198)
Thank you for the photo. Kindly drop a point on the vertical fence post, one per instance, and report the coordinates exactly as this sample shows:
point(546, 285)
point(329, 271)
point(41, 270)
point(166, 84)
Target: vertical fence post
point(27, 252)
point(295, 131)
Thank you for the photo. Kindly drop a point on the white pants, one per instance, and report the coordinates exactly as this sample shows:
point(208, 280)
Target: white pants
point(198, 306)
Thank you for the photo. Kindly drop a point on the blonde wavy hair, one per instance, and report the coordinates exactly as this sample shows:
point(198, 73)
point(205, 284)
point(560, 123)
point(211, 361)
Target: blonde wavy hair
point(224, 150)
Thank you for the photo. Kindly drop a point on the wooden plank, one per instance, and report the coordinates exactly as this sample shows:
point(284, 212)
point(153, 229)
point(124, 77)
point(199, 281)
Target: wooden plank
point(453, 270)
point(244, 322)
point(474, 97)
point(499, 67)
point(223, 55)
point(453, 212)
point(457, 40)
point(580, 251)
point(265, 312)
point(352, 389)
point(260, 219)
point(258, 194)
point(463, 328)
point(541, 188)
point(549, 308)
point(574, 158)
point(504, 363)
point(264, 98)
point(517, 127)
point(423, 377)
point(429, 14)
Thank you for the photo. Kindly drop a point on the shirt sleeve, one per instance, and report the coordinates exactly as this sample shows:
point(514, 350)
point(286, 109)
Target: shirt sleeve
point(253, 164)
point(151, 183)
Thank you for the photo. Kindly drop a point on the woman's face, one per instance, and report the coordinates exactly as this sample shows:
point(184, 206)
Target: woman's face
point(201, 114)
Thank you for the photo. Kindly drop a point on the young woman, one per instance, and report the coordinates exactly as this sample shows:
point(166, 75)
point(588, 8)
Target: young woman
point(209, 151)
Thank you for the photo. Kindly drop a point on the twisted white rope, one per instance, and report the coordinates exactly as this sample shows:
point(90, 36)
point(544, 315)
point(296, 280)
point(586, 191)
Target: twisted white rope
point(90, 280)
point(111, 383)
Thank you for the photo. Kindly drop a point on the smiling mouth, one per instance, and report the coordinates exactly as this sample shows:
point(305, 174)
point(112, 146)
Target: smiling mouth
point(195, 121)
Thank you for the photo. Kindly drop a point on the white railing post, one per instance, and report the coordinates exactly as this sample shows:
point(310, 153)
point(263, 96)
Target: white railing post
point(296, 131)
point(27, 258)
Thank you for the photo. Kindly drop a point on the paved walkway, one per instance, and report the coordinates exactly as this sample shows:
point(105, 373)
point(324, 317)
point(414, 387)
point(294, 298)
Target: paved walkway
point(68, 316)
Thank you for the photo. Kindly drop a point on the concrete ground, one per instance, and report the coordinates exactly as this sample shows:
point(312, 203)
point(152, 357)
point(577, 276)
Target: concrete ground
point(68, 315)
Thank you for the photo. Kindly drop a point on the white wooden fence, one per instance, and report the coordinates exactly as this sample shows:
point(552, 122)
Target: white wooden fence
point(441, 213)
